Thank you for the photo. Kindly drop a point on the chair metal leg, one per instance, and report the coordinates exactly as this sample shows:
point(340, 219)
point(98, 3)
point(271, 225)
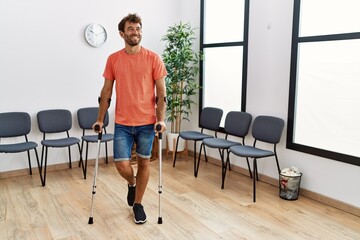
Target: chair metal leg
point(206, 160)
point(46, 153)
point(41, 165)
point(176, 148)
point(247, 161)
point(69, 157)
point(277, 163)
point(254, 181)
point(29, 160)
point(84, 165)
point(228, 159)
point(81, 151)
point(199, 157)
point(196, 166)
point(86, 159)
point(224, 165)
point(81, 162)
point(223, 168)
point(106, 153)
point(38, 163)
point(221, 151)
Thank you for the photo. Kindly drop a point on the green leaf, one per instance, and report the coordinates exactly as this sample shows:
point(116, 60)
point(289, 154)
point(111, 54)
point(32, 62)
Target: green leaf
point(182, 65)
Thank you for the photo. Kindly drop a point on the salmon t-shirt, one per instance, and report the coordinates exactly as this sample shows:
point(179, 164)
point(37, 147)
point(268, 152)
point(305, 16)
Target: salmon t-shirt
point(135, 77)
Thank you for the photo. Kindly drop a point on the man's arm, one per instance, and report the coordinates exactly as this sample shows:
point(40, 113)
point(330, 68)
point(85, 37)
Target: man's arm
point(160, 103)
point(104, 101)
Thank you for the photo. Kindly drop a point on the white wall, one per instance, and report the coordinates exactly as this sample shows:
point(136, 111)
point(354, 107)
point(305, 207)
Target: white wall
point(46, 63)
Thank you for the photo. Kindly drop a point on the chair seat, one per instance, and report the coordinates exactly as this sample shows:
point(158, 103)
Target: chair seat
point(94, 138)
point(17, 147)
point(249, 151)
point(193, 135)
point(62, 142)
point(219, 143)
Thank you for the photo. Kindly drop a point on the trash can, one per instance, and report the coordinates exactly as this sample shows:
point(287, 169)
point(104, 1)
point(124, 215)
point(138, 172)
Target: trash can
point(289, 183)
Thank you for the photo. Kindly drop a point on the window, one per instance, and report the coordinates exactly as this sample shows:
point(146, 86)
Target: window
point(223, 40)
point(324, 102)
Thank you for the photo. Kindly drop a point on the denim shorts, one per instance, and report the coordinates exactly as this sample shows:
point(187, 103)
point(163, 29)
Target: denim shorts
point(126, 136)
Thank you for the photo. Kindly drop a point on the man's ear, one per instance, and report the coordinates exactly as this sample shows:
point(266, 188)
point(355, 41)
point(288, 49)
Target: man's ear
point(121, 34)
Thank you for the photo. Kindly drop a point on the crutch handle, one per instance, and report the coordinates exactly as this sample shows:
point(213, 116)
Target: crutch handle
point(97, 129)
point(158, 129)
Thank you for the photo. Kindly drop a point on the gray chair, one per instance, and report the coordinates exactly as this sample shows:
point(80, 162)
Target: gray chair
point(14, 125)
point(210, 119)
point(56, 121)
point(86, 118)
point(237, 124)
point(267, 129)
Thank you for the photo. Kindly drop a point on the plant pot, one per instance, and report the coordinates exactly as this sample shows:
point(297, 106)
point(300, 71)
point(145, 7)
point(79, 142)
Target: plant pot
point(171, 142)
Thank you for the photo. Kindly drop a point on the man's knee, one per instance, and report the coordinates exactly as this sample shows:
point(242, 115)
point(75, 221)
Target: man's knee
point(143, 162)
point(122, 166)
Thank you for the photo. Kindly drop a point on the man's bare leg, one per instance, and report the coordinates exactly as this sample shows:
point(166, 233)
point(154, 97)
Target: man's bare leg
point(142, 178)
point(126, 171)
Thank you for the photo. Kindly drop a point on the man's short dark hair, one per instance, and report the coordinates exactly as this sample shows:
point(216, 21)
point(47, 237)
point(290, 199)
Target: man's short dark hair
point(132, 18)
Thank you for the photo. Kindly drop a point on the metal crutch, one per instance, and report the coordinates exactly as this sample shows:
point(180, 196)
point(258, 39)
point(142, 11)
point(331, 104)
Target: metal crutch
point(97, 128)
point(158, 128)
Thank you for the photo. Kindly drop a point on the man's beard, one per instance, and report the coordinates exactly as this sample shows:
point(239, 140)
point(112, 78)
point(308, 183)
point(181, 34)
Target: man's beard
point(132, 42)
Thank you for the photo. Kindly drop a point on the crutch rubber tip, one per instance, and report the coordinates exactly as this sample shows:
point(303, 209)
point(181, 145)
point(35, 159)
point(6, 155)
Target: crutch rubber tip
point(91, 220)
point(160, 220)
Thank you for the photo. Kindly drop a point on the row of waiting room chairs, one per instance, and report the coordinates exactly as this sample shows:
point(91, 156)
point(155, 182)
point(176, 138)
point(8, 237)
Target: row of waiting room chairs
point(266, 129)
point(18, 124)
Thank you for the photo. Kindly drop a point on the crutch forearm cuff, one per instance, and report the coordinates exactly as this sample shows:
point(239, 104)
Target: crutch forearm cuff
point(109, 101)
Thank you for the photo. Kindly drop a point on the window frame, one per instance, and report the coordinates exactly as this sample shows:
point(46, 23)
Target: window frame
point(243, 43)
point(296, 40)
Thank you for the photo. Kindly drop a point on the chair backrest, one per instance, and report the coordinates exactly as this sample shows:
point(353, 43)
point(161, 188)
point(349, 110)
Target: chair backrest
point(14, 124)
point(88, 116)
point(210, 118)
point(237, 123)
point(268, 129)
point(54, 120)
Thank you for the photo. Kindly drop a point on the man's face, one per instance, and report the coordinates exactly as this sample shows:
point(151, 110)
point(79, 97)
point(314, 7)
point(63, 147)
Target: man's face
point(132, 34)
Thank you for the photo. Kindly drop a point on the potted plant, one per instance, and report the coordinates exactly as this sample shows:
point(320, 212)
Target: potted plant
point(182, 65)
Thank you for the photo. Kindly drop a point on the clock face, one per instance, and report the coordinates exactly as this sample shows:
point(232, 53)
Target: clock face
point(95, 35)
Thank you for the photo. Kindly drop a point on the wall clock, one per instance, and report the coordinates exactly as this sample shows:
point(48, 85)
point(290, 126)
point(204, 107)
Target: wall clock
point(95, 34)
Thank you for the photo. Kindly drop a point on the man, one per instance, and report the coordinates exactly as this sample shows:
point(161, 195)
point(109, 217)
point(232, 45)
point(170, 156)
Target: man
point(140, 106)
